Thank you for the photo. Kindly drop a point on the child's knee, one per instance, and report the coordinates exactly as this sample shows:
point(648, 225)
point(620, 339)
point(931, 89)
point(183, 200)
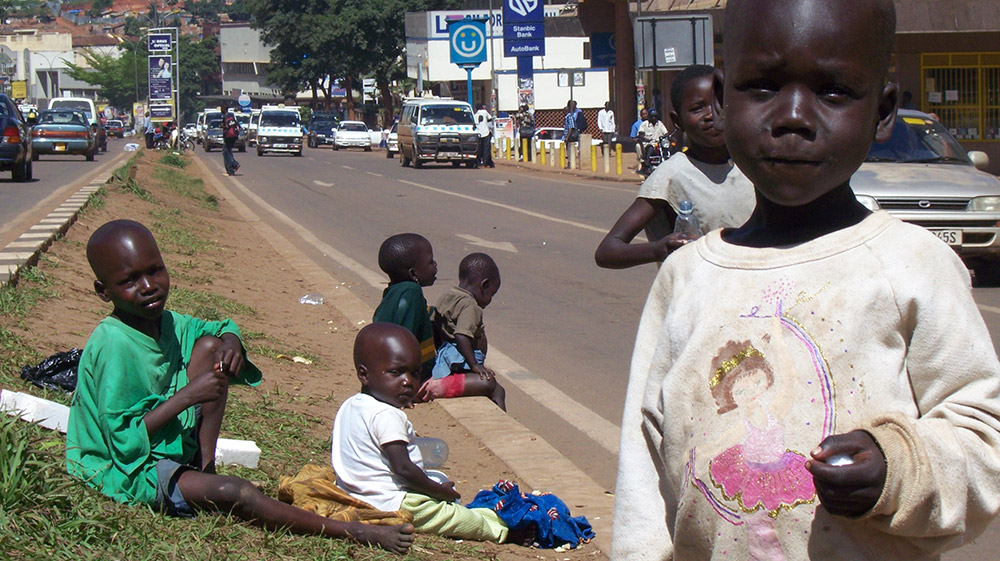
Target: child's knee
point(236, 492)
point(205, 347)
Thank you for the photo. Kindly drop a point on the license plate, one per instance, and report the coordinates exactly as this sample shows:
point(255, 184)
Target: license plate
point(950, 237)
point(281, 146)
point(60, 147)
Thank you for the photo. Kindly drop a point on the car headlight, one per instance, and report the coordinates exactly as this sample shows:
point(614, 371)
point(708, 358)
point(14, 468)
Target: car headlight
point(869, 202)
point(985, 204)
point(262, 139)
point(424, 138)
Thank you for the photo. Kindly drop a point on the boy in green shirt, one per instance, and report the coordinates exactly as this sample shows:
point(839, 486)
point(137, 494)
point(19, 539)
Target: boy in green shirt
point(408, 259)
point(151, 393)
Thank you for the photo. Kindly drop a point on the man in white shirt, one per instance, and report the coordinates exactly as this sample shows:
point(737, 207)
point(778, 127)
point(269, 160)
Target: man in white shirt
point(484, 126)
point(606, 123)
point(650, 132)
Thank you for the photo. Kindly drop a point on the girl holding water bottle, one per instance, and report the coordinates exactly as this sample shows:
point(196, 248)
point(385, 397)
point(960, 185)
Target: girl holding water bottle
point(702, 175)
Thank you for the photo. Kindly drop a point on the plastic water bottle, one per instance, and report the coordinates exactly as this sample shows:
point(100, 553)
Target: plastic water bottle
point(687, 222)
point(434, 451)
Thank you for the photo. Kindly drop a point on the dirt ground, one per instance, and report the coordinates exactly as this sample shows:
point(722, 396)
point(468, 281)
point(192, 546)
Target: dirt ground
point(244, 267)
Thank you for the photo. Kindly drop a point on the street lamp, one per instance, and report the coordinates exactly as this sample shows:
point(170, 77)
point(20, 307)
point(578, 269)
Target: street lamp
point(49, 71)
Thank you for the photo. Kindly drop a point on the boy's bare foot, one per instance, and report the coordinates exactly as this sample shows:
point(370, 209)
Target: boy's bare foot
point(396, 539)
point(525, 536)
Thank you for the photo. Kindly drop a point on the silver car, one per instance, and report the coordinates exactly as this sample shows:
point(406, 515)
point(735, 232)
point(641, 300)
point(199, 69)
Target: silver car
point(923, 175)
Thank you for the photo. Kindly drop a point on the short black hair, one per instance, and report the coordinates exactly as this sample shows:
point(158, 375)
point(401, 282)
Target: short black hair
point(476, 267)
point(396, 255)
point(884, 19)
point(683, 79)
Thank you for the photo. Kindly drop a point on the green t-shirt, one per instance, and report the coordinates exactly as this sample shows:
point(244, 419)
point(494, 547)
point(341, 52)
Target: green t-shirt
point(403, 303)
point(124, 374)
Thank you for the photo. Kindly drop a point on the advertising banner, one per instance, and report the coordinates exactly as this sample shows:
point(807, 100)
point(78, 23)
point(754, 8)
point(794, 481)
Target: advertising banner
point(160, 80)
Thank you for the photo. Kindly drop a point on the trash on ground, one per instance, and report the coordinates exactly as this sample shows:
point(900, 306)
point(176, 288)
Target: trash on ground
point(58, 372)
point(313, 299)
point(298, 359)
point(48, 414)
point(131, 147)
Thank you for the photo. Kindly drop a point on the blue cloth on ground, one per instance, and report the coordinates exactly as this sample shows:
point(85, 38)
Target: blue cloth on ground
point(555, 526)
point(450, 361)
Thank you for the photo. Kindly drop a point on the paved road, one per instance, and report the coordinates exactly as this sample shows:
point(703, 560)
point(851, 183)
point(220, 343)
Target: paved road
point(563, 327)
point(55, 178)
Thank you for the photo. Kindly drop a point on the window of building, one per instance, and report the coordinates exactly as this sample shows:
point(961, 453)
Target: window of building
point(963, 89)
point(238, 68)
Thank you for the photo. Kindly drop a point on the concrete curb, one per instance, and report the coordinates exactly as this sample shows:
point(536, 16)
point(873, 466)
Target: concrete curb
point(26, 249)
point(535, 461)
point(627, 177)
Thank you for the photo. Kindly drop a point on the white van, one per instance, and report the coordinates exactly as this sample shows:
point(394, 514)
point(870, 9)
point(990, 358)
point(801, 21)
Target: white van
point(85, 105)
point(279, 129)
point(199, 124)
point(252, 127)
point(437, 130)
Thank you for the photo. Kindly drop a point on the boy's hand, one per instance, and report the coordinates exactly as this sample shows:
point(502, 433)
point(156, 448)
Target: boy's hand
point(484, 373)
point(230, 355)
point(210, 386)
point(672, 242)
point(850, 489)
point(448, 492)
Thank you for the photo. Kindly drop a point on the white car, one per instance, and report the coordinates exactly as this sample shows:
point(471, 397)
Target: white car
point(190, 130)
point(392, 142)
point(352, 133)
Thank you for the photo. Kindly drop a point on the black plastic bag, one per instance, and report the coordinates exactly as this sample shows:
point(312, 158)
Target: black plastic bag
point(58, 372)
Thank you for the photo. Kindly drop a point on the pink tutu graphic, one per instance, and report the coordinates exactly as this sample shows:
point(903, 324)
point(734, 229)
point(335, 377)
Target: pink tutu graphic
point(784, 482)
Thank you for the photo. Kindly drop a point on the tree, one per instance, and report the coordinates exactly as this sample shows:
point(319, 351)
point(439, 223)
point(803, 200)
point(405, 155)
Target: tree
point(97, 7)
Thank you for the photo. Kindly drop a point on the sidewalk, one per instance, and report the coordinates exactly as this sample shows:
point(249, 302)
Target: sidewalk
point(585, 170)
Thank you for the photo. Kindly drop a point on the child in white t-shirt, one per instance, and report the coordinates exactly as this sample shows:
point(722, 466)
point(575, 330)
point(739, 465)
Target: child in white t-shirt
point(374, 451)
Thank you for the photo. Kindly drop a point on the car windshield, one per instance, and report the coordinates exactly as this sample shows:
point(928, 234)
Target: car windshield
point(215, 124)
point(918, 139)
point(61, 118)
point(325, 125)
point(279, 120)
point(353, 127)
point(114, 123)
point(446, 115)
point(243, 119)
point(71, 104)
point(549, 134)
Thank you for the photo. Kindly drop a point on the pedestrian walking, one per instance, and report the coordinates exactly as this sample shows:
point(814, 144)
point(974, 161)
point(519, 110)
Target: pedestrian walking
point(573, 124)
point(525, 121)
point(150, 131)
point(484, 125)
point(606, 123)
point(230, 132)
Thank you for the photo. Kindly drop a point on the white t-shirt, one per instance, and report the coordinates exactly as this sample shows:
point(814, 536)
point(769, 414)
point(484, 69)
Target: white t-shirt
point(483, 119)
point(363, 424)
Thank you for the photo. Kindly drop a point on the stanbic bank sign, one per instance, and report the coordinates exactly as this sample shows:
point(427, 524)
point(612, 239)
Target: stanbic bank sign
point(437, 22)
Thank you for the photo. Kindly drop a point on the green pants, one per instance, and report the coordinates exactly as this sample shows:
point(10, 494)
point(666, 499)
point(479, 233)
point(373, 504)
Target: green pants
point(452, 520)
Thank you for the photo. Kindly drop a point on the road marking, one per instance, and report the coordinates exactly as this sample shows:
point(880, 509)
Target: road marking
point(346, 167)
point(508, 207)
point(602, 431)
point(986, 308)
point(496, 182)
point(502, 246)
point(321, 184)
point(373, 173)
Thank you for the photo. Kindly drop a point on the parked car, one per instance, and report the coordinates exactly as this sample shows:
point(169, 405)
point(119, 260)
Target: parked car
point(352, 133)
point(924, 176)
point(548, 136)
point(213, 135)
point(392, 142)
point(86, 105)
point(63, 131)
point(115, 128)
point(321, 132)
point(15, 146)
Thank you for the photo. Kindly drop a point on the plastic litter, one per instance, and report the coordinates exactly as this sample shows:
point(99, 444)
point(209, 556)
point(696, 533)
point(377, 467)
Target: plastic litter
point(131, 147)
point(58, 372)
point(433, 450)
point(313, 299)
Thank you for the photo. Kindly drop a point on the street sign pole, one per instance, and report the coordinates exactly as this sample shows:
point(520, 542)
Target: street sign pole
point(467, 39)
point(468, 82)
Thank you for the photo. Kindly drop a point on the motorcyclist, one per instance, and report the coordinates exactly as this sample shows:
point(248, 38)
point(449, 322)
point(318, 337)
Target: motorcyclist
point(650, 132)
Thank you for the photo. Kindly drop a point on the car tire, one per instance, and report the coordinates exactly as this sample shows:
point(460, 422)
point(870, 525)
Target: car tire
point(299, 153)
point(207, 148)
point(368, 148)
point(470, 165)
point(34, 156)
point(260, 151)
point(21, 172)
point(403, 160)
point(334, 147)
point(90, 155)
point(388, 155)
point(31, 171)
point(243, 148)
point(417, 162)
point(456, 164)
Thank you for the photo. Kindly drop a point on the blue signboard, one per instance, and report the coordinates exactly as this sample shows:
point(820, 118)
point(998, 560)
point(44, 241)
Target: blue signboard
point(526, 30)
point(603, 52)
point(467, 39)
point(515, 11)
point(523, 28)
point(160, 42)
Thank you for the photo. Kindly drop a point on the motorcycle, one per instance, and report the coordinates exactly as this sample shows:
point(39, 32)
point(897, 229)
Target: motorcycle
point(666, 146)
